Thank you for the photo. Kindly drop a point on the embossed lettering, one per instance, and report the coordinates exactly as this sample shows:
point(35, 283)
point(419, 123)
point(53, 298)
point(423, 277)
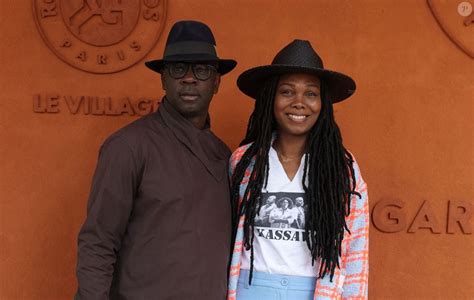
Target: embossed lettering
point(425, 219)
point(39, 106)
point(121, 55)
point(135, 46)
point(47, 104)
point(388, 216)
point(73, 103)
point(143, 106)
point(82, 56)
point(94, 105)
point(102, 59)
point(98, 105)
point(48, 9)
point(151, 14)
point(459, 217)
point(87, 105)
point(124, 106)
point(52, 103)
point(110, 110)
point(66, 44)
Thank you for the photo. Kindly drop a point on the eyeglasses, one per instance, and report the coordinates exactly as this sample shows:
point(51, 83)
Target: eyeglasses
point(201, 71)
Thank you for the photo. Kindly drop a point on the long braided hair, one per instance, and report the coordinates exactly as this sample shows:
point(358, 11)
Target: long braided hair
point(328, 172)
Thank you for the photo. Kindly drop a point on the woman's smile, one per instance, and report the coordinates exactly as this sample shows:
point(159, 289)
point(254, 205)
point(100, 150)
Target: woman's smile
point(297, 118)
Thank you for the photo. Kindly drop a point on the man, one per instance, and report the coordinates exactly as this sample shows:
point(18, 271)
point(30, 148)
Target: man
point(158, 224)
point(299, 213)
point(282, 216)
point(261, 219)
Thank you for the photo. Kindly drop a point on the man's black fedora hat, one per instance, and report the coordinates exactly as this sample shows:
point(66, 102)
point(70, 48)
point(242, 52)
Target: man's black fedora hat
point(297, 57)
point(191, 41)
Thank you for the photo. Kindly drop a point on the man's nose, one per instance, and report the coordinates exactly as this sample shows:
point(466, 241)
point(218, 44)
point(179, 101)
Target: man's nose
point(189, 77)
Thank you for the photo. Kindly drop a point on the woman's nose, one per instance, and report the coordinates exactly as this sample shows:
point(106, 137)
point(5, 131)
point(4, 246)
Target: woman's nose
point(298, 101)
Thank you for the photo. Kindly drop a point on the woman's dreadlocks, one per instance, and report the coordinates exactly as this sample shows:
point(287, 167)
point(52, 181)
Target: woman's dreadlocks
point(328, 171)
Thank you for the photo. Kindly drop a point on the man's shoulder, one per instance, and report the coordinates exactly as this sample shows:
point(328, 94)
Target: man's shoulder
point(133, 133)
point(220, 144)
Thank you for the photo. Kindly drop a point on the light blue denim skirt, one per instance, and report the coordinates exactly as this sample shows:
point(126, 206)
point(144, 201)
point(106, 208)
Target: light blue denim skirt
point(267, 286)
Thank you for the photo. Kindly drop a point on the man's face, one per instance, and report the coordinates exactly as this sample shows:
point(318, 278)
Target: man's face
point(299, 201)
point(270, 200)
point(188, 95)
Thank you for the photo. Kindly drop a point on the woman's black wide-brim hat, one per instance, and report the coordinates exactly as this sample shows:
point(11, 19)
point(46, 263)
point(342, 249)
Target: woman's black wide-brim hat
point(297, 57)
point(191, 41)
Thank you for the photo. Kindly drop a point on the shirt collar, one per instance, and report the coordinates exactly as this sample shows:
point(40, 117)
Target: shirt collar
point(193, 138)
point(184, 129)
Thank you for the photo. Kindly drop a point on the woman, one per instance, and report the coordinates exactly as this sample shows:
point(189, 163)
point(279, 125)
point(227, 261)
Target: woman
point(293, 150)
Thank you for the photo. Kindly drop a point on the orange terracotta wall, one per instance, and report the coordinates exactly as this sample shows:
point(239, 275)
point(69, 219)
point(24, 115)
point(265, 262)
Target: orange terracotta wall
point(409, 124)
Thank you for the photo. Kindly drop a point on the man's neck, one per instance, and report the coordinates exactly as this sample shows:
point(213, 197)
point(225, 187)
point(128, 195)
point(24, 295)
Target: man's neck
point(198, 121)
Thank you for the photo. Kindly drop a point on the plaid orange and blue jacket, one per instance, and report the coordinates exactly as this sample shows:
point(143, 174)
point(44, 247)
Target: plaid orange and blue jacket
point(350, 281)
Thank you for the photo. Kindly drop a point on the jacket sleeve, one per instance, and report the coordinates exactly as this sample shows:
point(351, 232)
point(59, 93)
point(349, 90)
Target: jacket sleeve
point(108, 210)
point(356, 244)
point(234, 160)
point(236, 157)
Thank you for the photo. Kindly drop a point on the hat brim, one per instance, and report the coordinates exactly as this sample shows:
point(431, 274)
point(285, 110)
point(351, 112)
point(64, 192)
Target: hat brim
point(340, 86)
point(224, 65)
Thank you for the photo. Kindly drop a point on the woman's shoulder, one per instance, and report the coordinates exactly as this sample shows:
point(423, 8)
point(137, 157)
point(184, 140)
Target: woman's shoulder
point(355, 165)
point(361, 186)
point(239, 152)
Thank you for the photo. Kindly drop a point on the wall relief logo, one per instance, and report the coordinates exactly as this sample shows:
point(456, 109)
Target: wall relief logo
point(100, 36)
point(457, 21)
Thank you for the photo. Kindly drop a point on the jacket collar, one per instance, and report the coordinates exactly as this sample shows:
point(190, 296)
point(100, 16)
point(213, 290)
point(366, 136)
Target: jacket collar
point(184, 130)
point(199, 141)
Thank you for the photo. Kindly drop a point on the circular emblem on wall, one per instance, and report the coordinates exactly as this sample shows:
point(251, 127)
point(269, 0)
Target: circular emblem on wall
point(100, 36)
point(457, 20)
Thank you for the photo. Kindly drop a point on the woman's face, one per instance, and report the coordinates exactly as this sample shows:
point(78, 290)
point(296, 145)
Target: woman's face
point(297, 103)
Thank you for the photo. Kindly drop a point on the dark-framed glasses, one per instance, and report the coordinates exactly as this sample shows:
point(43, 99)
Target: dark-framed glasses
point(201, 71)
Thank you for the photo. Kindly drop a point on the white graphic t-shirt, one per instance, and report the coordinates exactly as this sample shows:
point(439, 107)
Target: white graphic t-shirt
point(280, 241)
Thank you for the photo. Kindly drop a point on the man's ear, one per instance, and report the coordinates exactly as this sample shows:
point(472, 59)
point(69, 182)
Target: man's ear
point(217, 82)
point(163, 86)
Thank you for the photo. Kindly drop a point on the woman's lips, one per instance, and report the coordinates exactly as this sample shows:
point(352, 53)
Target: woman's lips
point(297, 118)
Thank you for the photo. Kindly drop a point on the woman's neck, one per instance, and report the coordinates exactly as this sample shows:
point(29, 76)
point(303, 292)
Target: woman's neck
point(290, 147)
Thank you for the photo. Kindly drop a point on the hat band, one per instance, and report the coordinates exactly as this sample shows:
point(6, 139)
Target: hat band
point(189, 47)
